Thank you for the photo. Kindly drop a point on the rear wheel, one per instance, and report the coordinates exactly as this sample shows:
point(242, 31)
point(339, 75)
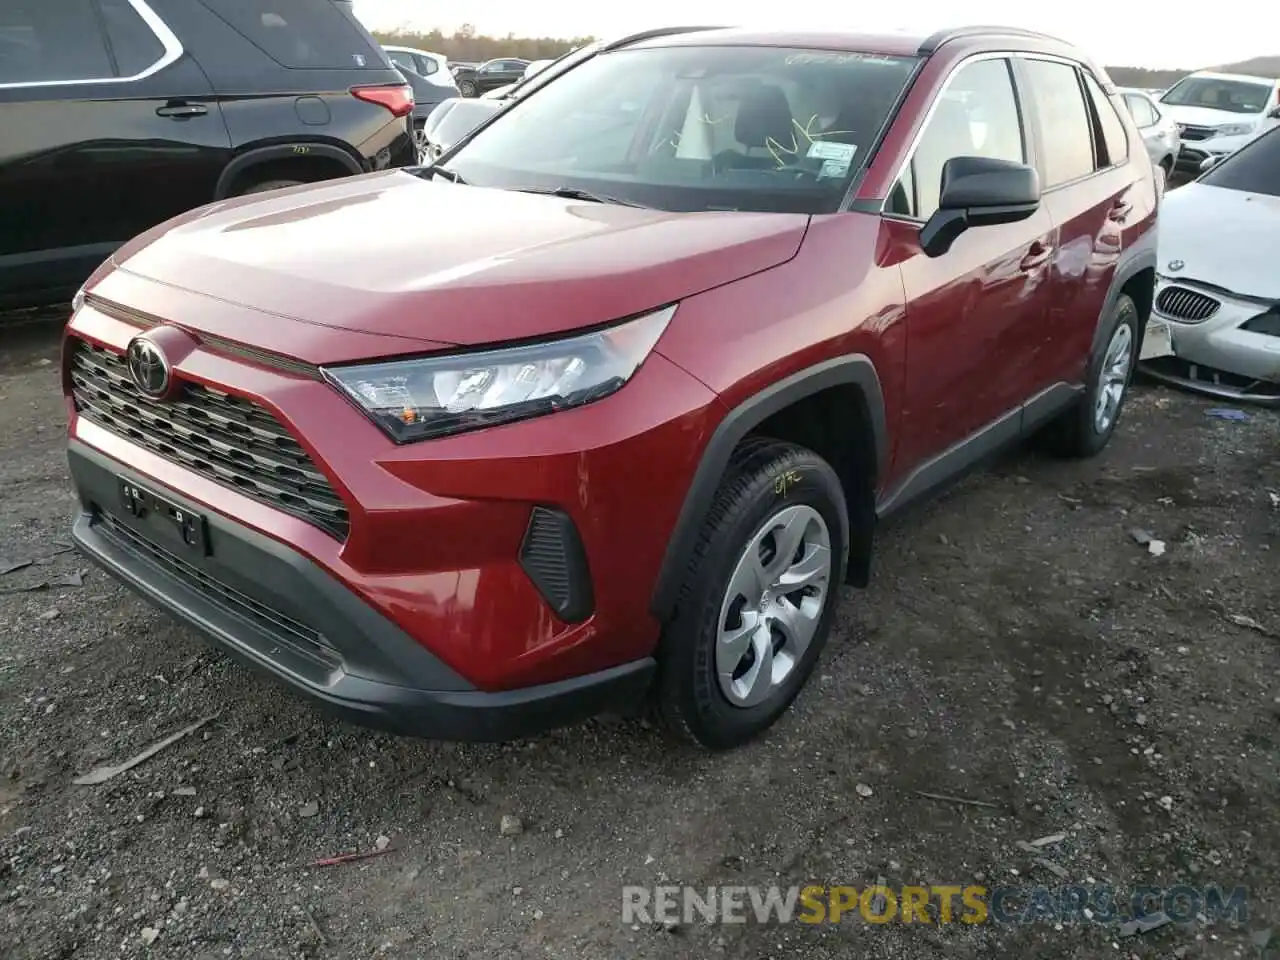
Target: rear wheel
point(1084, 430)
point(758, 598)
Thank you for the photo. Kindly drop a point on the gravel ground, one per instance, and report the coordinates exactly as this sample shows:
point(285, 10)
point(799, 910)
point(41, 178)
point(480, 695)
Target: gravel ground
point(1018, 647)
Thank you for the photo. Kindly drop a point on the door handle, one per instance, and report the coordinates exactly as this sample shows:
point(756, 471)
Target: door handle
point(180, 111)
point(1036, 256)
point(1119, 210)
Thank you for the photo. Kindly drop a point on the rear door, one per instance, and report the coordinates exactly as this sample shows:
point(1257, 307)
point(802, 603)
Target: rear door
point(107, 129)
point(1095, 196)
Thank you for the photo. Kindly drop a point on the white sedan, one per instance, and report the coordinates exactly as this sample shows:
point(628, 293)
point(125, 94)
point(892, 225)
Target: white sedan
point(1215, 326)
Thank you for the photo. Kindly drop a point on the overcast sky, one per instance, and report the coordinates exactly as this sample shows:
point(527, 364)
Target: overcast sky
point(1121, 33)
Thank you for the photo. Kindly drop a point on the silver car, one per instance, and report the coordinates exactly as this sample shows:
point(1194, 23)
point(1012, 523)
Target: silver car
point(1159, 132)
point(1215, 326)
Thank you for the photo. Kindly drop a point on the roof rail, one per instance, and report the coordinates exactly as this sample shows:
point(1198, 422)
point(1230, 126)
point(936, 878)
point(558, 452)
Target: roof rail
point(653, 34)
point(931, 44)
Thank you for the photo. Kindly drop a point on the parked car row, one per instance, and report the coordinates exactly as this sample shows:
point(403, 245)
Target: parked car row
point(116, 115)
point(432, 82)
point(760, 291)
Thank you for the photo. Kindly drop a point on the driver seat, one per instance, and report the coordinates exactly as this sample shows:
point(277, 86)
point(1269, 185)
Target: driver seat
point(764, 116)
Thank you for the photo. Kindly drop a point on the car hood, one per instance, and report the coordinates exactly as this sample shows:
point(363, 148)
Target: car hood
point(396, 255)
point(1223, 237)
point(1206, 116)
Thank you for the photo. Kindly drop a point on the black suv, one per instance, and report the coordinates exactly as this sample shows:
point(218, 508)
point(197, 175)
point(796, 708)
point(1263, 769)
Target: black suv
point(473, 81)
point(116, 115)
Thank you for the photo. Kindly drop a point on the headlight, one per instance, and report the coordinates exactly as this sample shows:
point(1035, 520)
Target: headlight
point(438, 395)
point(1235, 129)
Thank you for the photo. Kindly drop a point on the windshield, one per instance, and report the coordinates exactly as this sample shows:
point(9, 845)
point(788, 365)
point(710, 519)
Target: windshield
point(550, 68)
point(696, 128)
point(1233, 96)
point(1254, 168)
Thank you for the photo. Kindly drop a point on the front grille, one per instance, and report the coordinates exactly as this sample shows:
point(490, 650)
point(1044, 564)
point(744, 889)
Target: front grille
point(1186, 305)
point(283, 629)
point(219, 436)
point(1193, 132)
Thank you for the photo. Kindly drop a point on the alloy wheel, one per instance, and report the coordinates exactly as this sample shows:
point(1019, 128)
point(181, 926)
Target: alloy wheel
point(1113, 378)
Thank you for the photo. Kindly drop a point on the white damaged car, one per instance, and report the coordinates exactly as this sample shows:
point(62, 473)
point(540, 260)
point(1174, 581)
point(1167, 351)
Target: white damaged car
point(1215, 326)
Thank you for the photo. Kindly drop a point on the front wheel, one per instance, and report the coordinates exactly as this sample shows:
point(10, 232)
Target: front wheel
point(467, 88)
point(758, 598)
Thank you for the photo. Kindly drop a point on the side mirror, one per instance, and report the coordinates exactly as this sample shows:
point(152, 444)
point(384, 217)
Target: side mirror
point(1208, 163)
point(979, 192)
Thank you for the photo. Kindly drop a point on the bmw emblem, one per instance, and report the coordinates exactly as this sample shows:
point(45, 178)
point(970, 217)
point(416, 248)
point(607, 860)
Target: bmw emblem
point(1175, 266)
point(149, 368)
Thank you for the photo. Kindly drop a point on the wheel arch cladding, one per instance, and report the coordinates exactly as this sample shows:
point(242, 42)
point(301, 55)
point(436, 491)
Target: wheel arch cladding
point(1135, 276)
point(273, 162)
point(836, 409)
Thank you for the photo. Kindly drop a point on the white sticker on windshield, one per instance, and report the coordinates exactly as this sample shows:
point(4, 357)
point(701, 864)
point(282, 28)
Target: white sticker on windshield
point(833, 168)
point(830, 150)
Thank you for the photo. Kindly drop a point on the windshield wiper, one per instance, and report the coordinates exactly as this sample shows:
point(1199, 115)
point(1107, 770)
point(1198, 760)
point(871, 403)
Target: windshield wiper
point(575, 193)
point(450, 175)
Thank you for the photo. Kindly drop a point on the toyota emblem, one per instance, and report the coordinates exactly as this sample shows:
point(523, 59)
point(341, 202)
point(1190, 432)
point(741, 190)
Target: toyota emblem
point(149, 368)
point(1175, 266)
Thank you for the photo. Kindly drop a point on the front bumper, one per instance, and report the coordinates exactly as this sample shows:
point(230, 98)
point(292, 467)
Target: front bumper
point(1217, 356)
point(443, 539)
point(277, 611)
point(1192, 153)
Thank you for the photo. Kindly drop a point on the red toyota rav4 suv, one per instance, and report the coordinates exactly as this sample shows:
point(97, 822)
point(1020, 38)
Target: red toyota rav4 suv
point(683, 326)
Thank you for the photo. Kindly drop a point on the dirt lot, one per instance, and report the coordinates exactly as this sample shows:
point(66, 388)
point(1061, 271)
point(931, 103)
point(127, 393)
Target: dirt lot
point(1018, 647)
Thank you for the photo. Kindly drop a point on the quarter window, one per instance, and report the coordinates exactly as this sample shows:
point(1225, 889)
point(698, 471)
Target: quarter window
point(301, 34)
point(42, 41)
point(1068, 140)
point(977, 116)
point(133, 45)
point(1114, 136)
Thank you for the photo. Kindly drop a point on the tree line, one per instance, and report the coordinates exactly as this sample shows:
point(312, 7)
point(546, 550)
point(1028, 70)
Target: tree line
point(468, 45)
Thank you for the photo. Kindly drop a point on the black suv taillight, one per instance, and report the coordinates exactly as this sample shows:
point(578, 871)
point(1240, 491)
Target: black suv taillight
point(397, 99)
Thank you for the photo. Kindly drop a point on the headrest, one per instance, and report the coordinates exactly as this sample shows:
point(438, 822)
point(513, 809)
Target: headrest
point(764, 115)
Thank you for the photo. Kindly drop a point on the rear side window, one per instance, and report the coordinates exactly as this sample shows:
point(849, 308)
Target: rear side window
point(133, 45)
point(1254, 168)
point(1068, 146)
point(1114, 136)
point(977, 116)
point(302, 34)
point(43, 40)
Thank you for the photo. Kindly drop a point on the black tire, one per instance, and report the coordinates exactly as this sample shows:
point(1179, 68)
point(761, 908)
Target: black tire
point(1076, 433)
point(763, 477)
point(266, 186)
point(467, 88)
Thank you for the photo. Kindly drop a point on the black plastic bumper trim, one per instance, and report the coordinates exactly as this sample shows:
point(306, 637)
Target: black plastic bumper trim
point(554, 559)
point(379, 677)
